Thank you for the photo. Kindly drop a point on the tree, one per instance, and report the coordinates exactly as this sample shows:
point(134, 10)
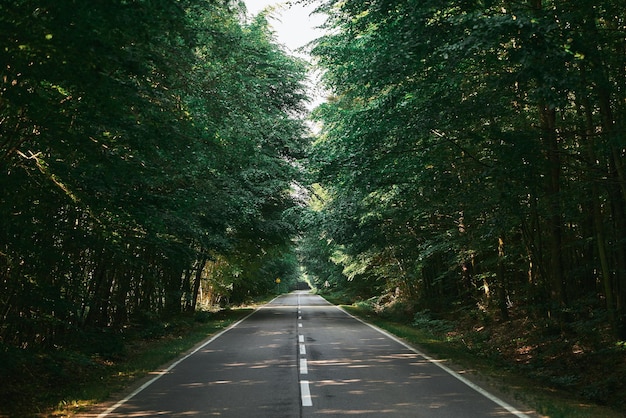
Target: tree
point(141, 139)
point(464, 146)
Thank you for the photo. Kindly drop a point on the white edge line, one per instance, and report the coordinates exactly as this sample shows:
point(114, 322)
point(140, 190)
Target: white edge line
point(451, 372)
point(171, 366)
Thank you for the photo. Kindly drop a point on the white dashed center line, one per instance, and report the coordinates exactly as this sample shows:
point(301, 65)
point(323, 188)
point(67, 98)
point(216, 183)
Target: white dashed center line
point(305, 393)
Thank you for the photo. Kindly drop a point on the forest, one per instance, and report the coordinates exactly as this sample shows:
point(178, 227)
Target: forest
point(149, 154)
point(470, 168)
point(156, 160)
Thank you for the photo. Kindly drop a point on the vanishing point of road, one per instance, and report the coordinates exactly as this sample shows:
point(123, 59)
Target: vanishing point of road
point(300, 356)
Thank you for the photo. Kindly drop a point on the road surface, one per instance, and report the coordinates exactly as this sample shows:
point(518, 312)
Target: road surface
point(299, 356)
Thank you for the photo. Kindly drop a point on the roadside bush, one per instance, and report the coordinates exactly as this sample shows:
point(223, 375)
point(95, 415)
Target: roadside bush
point(424, 320)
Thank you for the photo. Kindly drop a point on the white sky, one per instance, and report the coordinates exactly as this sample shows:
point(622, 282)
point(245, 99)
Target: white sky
point(295, 27)
point(293, 23)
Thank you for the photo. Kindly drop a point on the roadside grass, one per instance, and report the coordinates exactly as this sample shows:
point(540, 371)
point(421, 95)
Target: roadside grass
point(490, 372)
point(69, 382)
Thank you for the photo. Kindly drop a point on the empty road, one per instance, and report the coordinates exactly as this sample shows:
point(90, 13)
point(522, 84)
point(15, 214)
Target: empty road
point(299, 356)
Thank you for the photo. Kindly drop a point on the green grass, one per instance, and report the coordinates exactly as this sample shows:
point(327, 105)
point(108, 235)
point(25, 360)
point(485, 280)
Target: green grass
point(490, 373)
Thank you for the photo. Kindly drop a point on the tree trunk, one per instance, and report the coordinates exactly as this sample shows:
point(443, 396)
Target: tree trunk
point(617, 193)
point(555, 218)
point(120, 314)
point(196, 283)
point(598, 220)
point(501, 278)
point(185, 289)
point(98, 301)
point(172, 291)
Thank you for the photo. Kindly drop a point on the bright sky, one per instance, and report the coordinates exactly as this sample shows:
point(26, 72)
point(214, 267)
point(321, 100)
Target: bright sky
point(293, 23)
point(295, 27)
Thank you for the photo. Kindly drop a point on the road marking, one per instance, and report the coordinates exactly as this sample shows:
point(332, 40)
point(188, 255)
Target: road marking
point(448, 370)
point(305, 393)
point(304, 368)
point(171, 366)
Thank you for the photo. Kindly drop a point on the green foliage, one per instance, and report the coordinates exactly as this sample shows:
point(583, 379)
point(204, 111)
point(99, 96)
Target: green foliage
point(424, 319)
point(486, 351)
point(456, 154)
point(139, 140)
point(470, 160)
point(71, 379)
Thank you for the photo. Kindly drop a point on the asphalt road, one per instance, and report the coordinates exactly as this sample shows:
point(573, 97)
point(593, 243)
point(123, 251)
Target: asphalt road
point(302, 357)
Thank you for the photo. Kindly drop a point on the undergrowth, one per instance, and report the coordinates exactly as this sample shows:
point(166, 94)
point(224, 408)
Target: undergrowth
point(61, 381)
point(566, 369)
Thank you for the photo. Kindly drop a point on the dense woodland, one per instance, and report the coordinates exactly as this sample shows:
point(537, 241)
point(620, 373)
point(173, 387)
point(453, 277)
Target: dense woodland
point(149, 151)
point(472, 154)
point(470, 164)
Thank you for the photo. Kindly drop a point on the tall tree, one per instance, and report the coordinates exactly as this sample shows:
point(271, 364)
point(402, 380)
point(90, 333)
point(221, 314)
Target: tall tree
point(456, 150)
point(140, 139)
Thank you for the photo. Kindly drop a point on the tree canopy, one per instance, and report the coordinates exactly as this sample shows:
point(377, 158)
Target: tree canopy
point(470, 170)
point(469, 163)
point(472, 154)
point(146, 145)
